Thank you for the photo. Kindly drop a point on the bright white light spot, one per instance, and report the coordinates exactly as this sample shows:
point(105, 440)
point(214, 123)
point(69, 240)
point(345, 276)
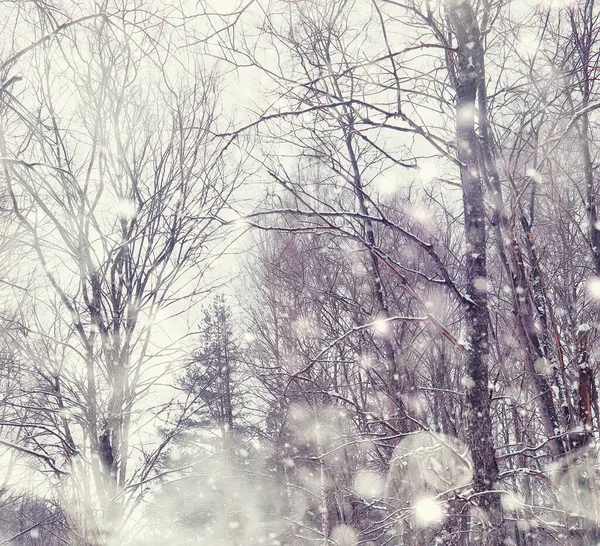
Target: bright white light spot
point(583, 328)
point(528, 44)
point(304, 326)
point(467, 382)
point(417, 403)
point(248, 337)
point(534, 175)
point(428, 512)
point(369, 485)
point(593, 287)
point(481, 284)
point(359, 270)
point(511, 502)
point(344, 535)
point(542, 366)
point(126, 209)
point(466, 113)
point(464, 145)
point(381, 327)
point(421, 215)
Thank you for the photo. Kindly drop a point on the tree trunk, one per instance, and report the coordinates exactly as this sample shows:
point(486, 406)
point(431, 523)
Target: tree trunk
point(469, 71)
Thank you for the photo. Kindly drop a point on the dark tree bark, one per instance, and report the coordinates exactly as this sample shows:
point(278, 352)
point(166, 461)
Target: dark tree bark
point(584, 34)
point(469, 72)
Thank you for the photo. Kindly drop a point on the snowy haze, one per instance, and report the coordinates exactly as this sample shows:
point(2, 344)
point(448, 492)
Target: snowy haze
point(244, 295)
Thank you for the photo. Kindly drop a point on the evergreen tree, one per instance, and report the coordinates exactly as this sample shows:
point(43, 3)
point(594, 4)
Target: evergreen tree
point(210, 380)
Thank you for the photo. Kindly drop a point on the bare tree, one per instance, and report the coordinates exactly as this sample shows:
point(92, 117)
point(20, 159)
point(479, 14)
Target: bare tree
point(120, 223)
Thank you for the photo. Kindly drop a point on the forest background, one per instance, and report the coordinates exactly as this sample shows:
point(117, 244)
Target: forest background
point(299, 272)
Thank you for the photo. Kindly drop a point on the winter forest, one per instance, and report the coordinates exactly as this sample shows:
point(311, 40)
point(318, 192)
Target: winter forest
point(299, 272)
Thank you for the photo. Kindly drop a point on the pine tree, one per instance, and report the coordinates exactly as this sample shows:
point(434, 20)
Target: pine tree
point(210, 445)
point(210, 379)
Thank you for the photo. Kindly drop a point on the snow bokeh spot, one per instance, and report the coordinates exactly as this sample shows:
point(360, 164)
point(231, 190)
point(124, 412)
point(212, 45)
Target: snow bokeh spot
point(428, 512)
point(126, 209)
point(344, 535)
point(369, 485)
point(593, 287)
